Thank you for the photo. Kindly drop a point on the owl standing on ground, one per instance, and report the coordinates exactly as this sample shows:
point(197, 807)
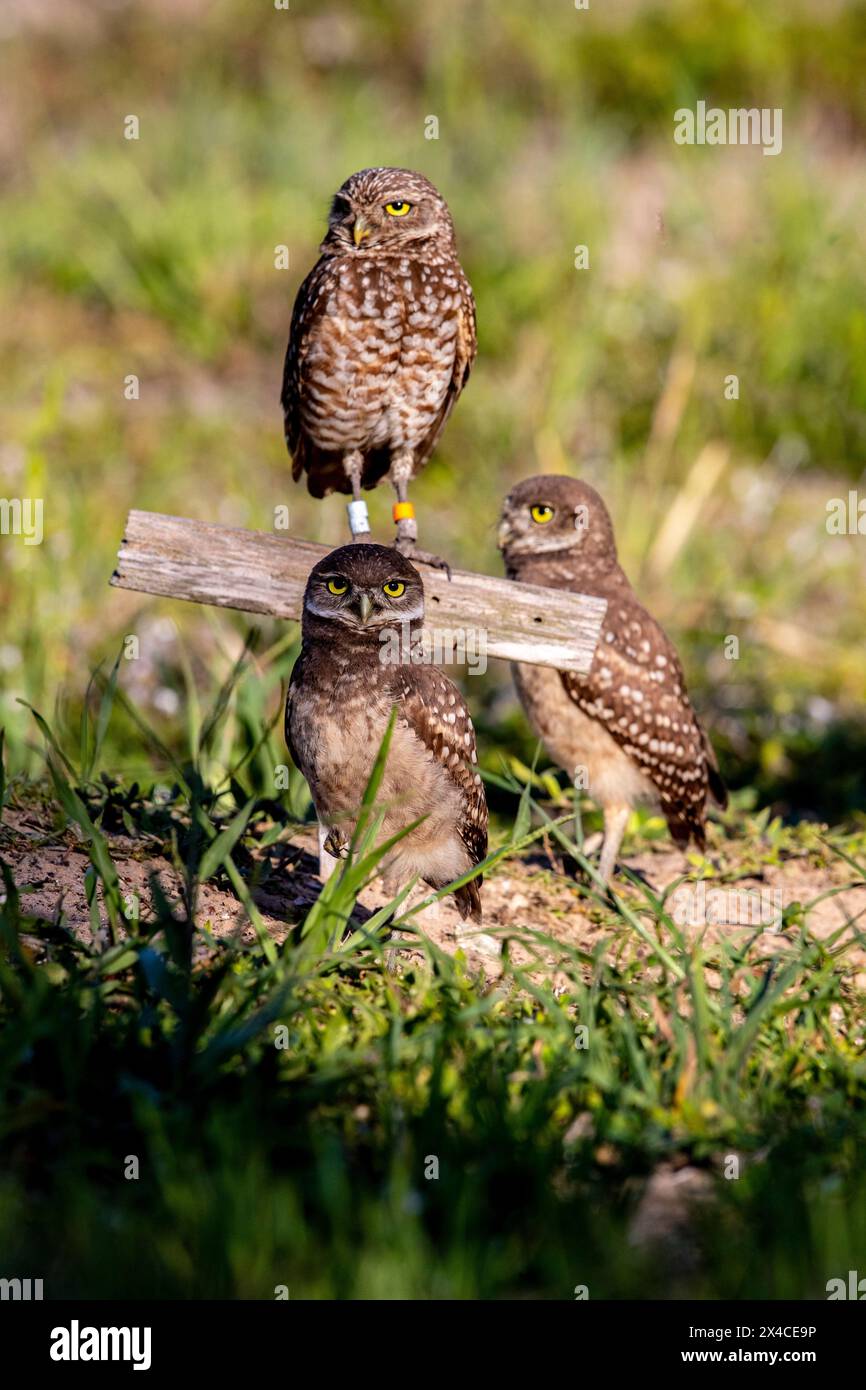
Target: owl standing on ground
point(344, 686)
point(628, 721)
point(381, 344)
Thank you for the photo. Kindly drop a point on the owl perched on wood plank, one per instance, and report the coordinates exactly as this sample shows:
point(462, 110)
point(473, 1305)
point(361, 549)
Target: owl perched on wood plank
point(381, 344)
point(343, 688)
point(628, 722)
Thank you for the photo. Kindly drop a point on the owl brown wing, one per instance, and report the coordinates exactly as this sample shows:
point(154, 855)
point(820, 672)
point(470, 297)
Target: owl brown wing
point(295, 683)
point(308, 306)
point(465, 349)
point(636, 690)
point(435, 711)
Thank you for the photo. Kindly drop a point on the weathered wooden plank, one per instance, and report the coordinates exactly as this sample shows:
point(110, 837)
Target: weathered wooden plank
point(261, 573)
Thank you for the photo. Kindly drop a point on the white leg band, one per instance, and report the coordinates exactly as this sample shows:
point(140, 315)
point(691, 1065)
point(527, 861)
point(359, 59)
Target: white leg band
point(359, 521)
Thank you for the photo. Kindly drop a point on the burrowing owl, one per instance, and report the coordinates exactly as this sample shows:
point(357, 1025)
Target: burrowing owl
point(381, 343)
point(344, 686)
point(628, 722)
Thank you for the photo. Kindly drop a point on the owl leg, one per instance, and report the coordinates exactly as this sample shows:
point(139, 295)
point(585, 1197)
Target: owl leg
point(402, 463)
point(359, 521)
point(615, 822)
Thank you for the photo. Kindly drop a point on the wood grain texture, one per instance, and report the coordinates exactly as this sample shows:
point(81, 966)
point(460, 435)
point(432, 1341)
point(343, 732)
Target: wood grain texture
point(261, 573)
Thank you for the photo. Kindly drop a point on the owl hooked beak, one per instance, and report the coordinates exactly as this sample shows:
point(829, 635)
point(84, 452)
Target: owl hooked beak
point(365, 608)
point(360, 230)
point(503, 535)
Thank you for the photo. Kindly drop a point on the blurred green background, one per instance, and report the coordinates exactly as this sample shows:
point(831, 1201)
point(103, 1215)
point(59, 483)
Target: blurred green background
point(155, 257)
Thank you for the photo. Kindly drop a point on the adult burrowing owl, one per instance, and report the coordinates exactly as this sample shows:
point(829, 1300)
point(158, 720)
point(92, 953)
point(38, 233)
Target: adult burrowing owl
point(381, 344)
point(342, 692)
point(628, 722)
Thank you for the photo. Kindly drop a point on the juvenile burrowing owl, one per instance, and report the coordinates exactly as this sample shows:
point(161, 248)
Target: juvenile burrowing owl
point(628, 722)
point(381, 344)
point(344, 686)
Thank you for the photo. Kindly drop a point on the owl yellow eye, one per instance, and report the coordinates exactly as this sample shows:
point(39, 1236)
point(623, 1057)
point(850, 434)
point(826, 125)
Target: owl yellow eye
point(394, 588)
point(337, 586)
point(541, 513)
point(398, 209)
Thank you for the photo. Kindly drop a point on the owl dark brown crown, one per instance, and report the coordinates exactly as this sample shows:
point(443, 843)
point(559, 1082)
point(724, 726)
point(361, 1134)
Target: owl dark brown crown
point(367, 563)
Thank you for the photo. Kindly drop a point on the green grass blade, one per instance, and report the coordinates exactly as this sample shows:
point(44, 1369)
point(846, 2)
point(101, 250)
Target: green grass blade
point(221, 847)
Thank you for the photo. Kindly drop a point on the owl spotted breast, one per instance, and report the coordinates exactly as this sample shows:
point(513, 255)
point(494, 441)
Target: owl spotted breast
point(343, 688)
point(628, 722)
point(381, 345)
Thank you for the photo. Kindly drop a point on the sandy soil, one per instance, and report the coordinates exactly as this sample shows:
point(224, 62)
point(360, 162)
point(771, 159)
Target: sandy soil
point(521, 896)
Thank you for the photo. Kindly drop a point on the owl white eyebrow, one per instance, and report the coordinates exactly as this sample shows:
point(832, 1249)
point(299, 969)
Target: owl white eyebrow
point(311, 606)
point(404, 599)
point(407, 615)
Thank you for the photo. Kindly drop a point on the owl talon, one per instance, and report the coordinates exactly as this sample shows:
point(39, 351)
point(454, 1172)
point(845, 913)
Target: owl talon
point(337, 844)
point(421, 557)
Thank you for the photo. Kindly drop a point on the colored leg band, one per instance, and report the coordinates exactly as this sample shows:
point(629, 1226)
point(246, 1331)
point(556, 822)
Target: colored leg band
point(359, 521)
point(403, 511)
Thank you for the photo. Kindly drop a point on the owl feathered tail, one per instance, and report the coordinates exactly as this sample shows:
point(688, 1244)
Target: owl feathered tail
point(683, 824)
point(468, 899)
point(326, 472)
point(718, 790)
